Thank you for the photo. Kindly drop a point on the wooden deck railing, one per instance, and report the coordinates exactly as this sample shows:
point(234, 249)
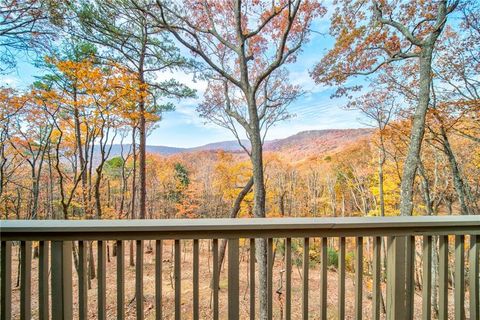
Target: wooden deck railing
point(55, 265)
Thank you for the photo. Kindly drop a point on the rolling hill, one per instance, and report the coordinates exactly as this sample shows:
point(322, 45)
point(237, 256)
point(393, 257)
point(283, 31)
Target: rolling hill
point(301, 145)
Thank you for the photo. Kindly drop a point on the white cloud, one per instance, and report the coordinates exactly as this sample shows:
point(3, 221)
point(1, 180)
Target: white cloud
point(11, 82)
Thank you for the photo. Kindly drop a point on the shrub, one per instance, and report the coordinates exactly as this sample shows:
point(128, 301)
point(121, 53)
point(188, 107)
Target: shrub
point(332, 258)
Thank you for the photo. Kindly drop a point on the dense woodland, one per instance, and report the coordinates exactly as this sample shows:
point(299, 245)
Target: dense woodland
point(411, 68)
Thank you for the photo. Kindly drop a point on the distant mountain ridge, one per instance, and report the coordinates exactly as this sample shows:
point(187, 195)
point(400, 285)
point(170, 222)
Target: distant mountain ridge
point(301, 144)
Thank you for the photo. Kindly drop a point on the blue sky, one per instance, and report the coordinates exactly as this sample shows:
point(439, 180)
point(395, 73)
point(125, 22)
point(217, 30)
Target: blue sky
point(184, 128)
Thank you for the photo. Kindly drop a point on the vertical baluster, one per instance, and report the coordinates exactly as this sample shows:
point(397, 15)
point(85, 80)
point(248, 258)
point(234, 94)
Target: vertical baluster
point(359, 278)
point(306, 262)
point(139, 280)
point(270, 277)
point(396, 277)
point(377, 245)
point(102, 280)
point(82, 280)
point(474, 285)
point(43, 280)
point(216, 279)
point(443, 278)
point(62, 298)
point(233, 280)
point(25, 280)
point(6, 280)
point(252, 279)
point(427, 278)
point(178, 280)
point(288, 278)
point(459, 297)
point(158, 278)
point(120, 280)
point(341, 280)
point(196, 307)
point(409, 277)
point(323, 280)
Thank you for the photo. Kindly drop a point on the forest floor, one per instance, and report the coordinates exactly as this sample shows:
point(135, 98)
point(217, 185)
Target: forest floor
point(205, 290)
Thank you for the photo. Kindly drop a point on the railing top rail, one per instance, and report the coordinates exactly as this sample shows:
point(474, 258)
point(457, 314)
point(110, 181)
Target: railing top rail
point(211, 228)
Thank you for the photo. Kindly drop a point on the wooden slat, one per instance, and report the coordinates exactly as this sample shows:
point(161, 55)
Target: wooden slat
point(102, 280)
point(62, 297)
point(395, 277)
point(67, 279)
point(427, 278)
point(306, 267)
point(341, 280)
point(377, 246)
point(25, 280)
point(120, 280)
point(409, 277)
point(270, 278)
point(323, 280)
point(82, 280)
point(474, 284)
point(443, 278)
point(43, 280)
point(139, 280)
point(215, 281)
point(459, 295)
point(178, 280)
point(233, 280)
point(252, 278)
point(196, 263)
point(359, 278)
point(6, 281)
point(158, 278)
point(288, 279)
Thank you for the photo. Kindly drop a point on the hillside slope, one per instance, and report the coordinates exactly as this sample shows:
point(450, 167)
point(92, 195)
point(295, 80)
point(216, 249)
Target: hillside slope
point(300, 145)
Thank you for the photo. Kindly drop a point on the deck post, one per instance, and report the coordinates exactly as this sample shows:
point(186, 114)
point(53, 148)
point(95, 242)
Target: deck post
point(233, 279)
point(62, 280)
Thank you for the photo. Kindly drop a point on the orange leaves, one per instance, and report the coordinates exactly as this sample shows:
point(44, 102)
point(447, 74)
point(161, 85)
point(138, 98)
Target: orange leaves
point(99, 90)
point(370, 35)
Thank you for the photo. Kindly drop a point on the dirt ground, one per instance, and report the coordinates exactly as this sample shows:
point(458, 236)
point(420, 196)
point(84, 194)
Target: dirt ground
point(205, 291)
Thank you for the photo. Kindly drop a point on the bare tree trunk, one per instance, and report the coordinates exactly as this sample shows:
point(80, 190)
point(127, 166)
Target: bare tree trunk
point(259, 212)
point(134, 187)
point(435, 276)
point(417, 132)
point(91, 262)
point(426, 190)
point(98, 203)
point(233, 214)
point(142, 166)
point(142, 128)
point(457, 179)
point(381, 162)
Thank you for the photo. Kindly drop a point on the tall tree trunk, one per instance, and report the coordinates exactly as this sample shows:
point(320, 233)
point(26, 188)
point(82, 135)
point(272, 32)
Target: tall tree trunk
point(417, 132)
point(233, 214)
point(435, 264)
point(134, 188)
point(381, 162)
point(81, 157)
point(142, 161)
point(259, 212)
point(35, 192)
point(457, 178)
point(98, 202)
point(426, 189)
point(142, 128)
